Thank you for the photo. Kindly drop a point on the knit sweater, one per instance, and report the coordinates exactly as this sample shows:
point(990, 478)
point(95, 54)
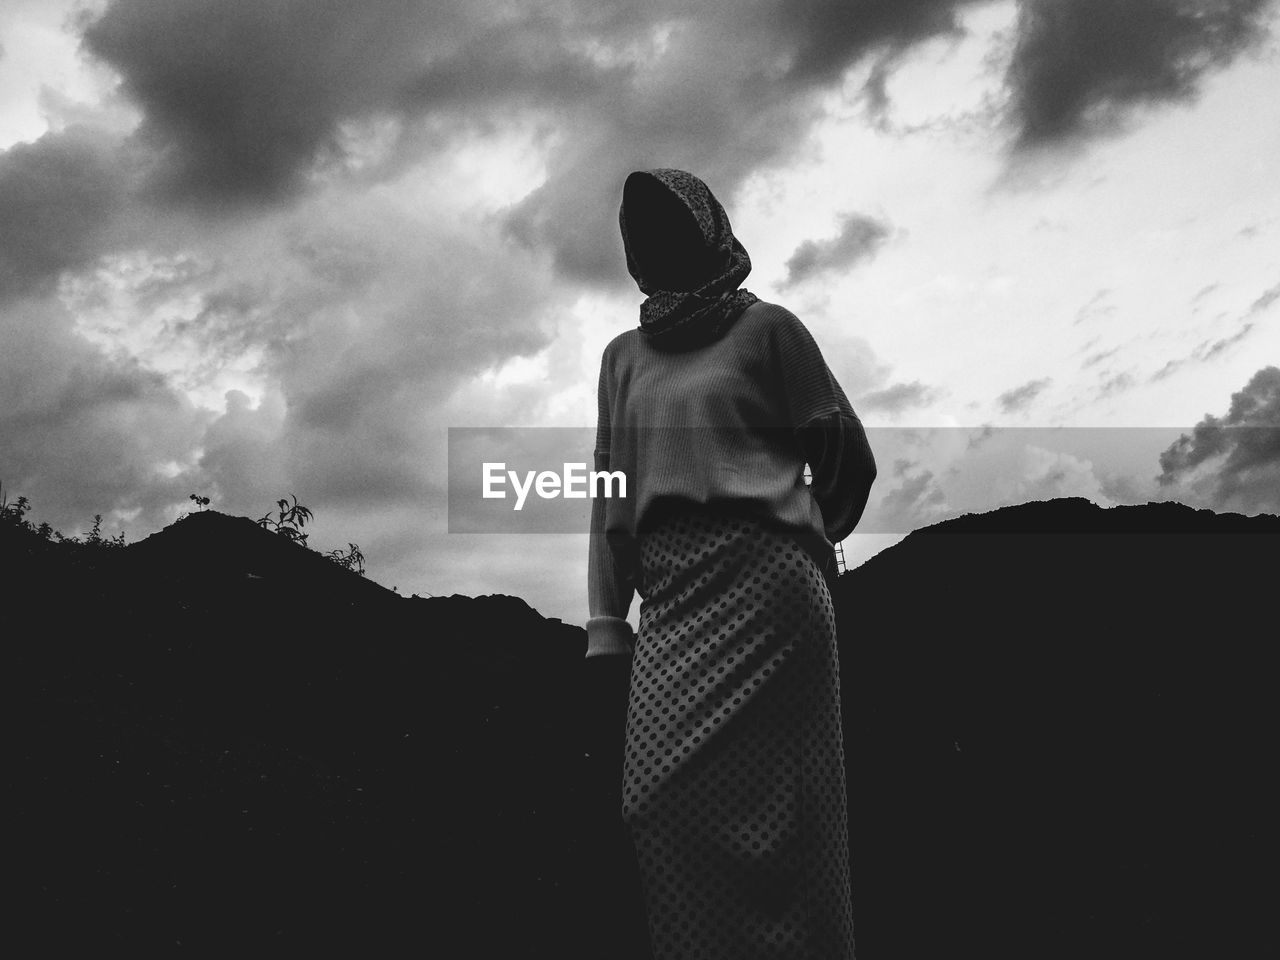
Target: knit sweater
point(727, 425)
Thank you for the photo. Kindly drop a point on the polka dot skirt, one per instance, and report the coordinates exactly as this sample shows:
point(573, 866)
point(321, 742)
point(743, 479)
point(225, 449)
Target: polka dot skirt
point(734, 778)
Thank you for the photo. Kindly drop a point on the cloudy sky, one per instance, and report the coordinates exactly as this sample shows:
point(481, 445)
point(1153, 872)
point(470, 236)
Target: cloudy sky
point(252, 248)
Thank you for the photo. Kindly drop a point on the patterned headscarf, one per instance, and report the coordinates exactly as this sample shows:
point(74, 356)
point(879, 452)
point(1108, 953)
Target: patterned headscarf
point(679, 320)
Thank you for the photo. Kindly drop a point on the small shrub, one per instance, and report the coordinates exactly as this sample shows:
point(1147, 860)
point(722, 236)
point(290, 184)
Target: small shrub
point(96, 539)
point(14, 513)
point(352, 559)
point(290, 522)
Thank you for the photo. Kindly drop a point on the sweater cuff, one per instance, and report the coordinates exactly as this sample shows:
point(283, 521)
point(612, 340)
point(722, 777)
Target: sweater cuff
point(609, 636)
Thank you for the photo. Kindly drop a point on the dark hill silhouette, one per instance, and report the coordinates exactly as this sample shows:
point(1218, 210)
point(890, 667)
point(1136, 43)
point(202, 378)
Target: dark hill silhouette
point(214, 546)
point(1056, 716)
point(1057, 746)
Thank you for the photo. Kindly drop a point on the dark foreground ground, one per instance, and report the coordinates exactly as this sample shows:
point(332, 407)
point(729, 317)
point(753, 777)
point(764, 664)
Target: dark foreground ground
point(1060, 730)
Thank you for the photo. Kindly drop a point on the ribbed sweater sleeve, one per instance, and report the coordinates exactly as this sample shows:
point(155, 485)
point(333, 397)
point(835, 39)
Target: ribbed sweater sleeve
point(809, 388)
point(843, 467)
point(827, 429)
point(609, 594)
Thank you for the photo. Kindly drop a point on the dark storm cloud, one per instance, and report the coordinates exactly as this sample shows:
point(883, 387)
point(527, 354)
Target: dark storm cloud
point(364, 331)
point(242, 97)
point(1019, 398)
point(1077, 61)
point(705, 109)
point(526, 64)
point(81, 433)
point(859, 238)
point(828, 35)
point(58, 197)
point(897, 398)
point(239, 96)
point(1233, 462)
point(241, 465)
point(734, 92)
point(363, 398)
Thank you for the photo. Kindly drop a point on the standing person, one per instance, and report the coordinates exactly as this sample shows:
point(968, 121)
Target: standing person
point(733, 780)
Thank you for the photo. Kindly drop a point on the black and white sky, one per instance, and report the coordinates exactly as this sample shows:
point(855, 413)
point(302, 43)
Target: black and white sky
point(253, 248)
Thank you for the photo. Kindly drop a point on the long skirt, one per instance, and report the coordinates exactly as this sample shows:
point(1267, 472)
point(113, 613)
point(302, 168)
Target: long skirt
point(733, 777)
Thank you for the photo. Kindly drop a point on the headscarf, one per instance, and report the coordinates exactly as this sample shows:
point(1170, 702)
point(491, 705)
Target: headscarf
point(703, 247)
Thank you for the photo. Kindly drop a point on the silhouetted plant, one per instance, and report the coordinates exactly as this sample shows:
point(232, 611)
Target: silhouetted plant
point(289, 523)
point(293, 517)
point(353, 559)
point(96, 539)
point(14, 513)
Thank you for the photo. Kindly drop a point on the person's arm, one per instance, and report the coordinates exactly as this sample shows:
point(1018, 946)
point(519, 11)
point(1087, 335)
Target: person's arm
point(609, 594)
point(827, 429)
point(843, 467)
